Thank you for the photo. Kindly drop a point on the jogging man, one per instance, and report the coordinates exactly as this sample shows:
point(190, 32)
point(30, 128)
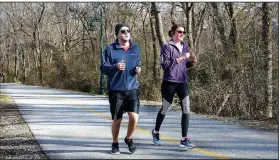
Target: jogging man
point(121, 62)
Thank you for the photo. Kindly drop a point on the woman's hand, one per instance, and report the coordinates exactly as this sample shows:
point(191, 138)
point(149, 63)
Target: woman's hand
point(179, 59)
point(193, 59)
point(188, 55)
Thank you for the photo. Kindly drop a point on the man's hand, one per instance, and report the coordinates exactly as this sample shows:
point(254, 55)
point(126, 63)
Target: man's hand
point(138, 70)
point(121, 66)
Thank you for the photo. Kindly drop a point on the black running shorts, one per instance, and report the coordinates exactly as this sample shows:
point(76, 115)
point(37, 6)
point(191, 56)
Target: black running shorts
point(123, 101)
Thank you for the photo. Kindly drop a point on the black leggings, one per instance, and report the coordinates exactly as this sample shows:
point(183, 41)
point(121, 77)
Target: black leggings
point(168, 89)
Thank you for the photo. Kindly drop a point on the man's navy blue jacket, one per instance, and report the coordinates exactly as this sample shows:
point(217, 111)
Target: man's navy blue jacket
point(121, 80)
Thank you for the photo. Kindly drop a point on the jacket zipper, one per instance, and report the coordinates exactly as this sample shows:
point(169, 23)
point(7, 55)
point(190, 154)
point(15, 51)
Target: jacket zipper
point(126, 71)
point(178, 70)
point(180, 53)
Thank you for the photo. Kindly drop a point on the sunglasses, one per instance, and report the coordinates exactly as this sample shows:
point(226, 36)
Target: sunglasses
point(181, 32)
point(125, 31)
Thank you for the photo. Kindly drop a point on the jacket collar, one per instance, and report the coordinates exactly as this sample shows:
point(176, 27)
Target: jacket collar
point(185, 46)
point(117, 45)
point(171, 41)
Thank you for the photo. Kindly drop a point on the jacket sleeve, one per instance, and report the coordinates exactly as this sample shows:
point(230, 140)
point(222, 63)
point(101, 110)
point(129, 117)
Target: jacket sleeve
point(167, 61)
point(107, 66)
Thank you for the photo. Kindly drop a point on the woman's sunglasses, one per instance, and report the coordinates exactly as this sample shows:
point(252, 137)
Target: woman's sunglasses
point(181, 32)
point(125, 31)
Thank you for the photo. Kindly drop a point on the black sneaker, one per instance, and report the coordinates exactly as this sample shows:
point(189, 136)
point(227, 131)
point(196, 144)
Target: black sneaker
point(115, 148)
point(156, 139)
point(130, 144)
point(186, 143)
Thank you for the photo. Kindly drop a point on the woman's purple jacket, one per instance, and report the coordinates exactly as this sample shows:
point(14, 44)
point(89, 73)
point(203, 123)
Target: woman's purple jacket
point(174, 71)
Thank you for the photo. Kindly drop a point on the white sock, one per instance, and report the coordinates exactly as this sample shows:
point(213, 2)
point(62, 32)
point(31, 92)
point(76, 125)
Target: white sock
point(155, 132)
point(184, 138)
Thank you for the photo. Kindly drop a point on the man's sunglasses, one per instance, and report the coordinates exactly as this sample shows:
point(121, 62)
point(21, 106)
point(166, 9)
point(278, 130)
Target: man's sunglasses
point(181, 32)
point(125, 31)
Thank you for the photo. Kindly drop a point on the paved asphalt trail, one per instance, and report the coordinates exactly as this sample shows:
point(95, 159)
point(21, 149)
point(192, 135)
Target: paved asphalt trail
point(70, 125)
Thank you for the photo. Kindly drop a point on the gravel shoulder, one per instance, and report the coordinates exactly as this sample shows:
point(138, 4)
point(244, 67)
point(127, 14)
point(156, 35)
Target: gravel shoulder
point(16, 139)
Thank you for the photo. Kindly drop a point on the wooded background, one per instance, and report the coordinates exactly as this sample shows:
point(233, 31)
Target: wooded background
point(236, 44)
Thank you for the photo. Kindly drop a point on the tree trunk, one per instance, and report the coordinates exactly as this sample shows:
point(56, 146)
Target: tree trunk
point(3, 63)
point(34, 49)
point(145, 44)
point(199, 26)
point(91, 38)
point(187, 8)
point(3, 67)
point(83, 40)
point(220, 26)
point(8, 65)
point(15, 50)
point(16, 60)
point(173, 13)
point(154, 38)
point(199, 29)
point(40, 61)
point(266, 38)
point(66, 38)
point(233, 31)
point(39, 52)
point(190, 25)
point(24, 70)
point(158, 24)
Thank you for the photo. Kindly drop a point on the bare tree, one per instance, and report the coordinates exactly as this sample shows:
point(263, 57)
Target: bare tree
point(233, 36)
point(158, 24)
point(188, 7)
point(266, 38)
point(220, 25)
point(62, 49)
point(145, 30)
point(199, 28)
point(173, 12)
point(155, 50)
